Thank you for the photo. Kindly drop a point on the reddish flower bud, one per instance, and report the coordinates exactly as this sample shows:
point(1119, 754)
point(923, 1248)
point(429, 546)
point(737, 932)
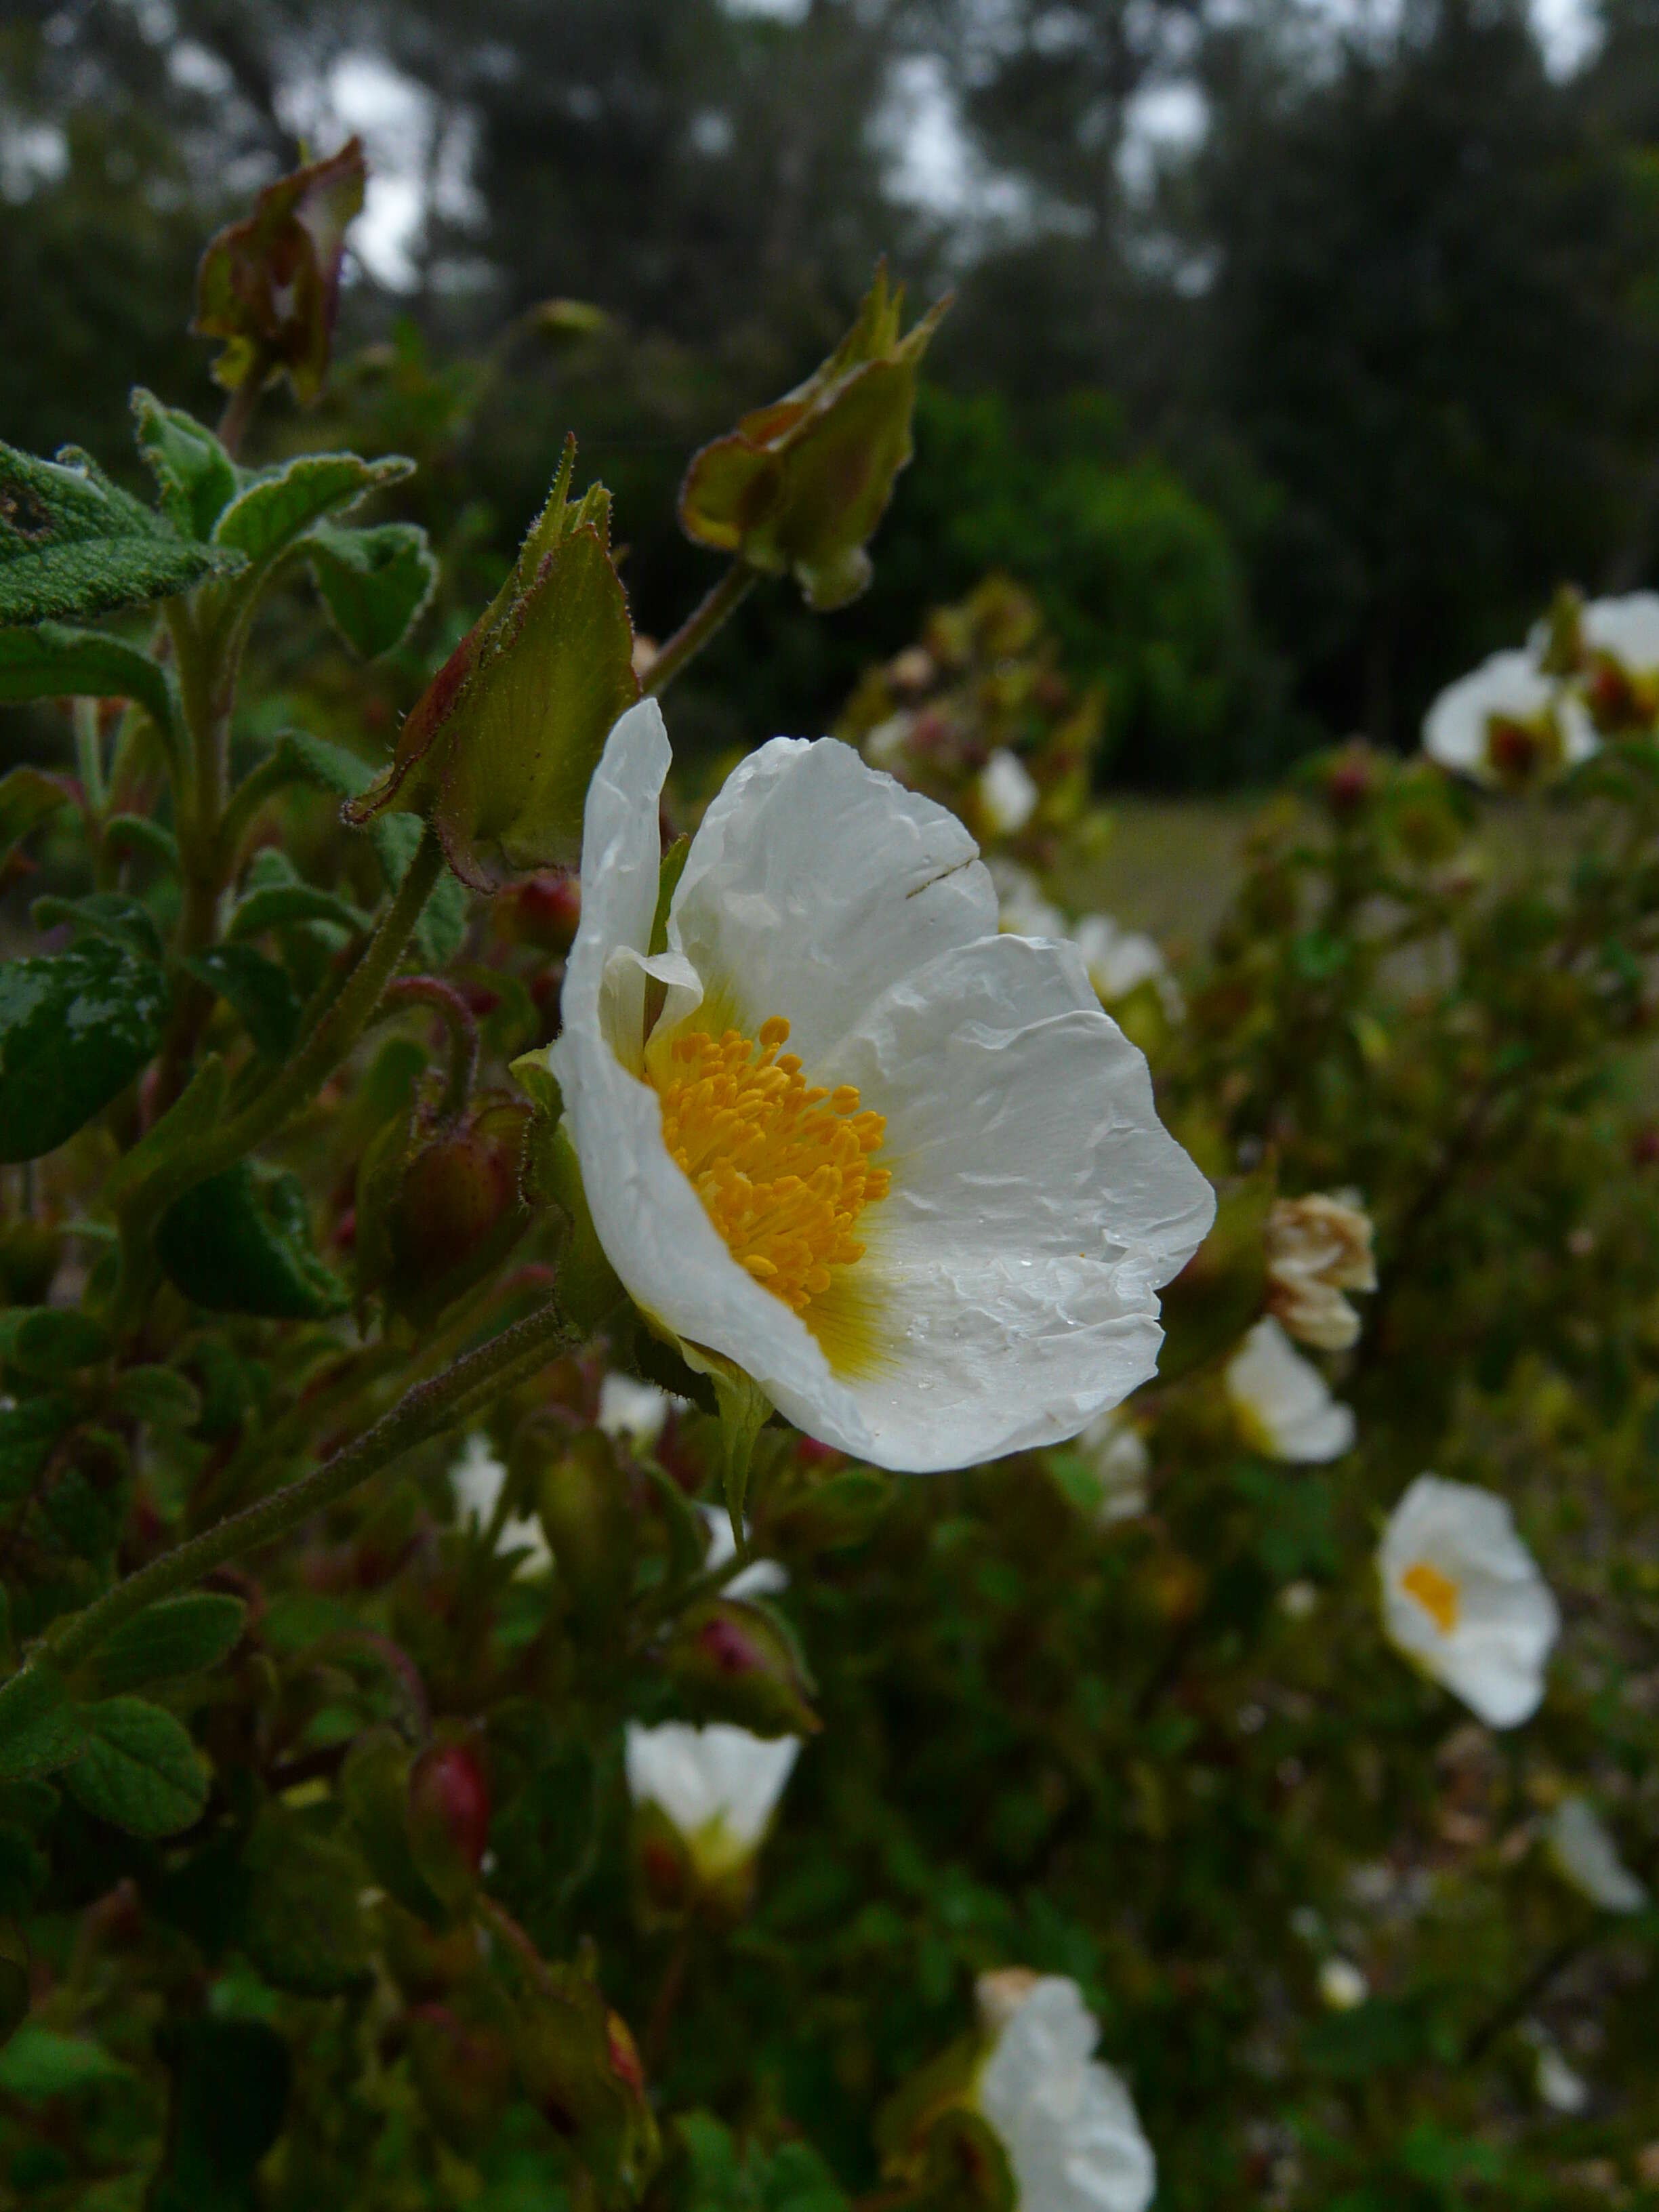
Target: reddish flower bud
point(449, 1805)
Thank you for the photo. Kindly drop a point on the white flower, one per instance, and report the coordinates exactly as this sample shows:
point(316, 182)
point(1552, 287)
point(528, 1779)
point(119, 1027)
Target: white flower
point(476, 1480)
point(1064, 2120)
point(1117, 960)
point(1008, 795)
point(1625, 629)
point(1462, 1596)
point(1557, 2084)
point(1507, 723)
point(1281, 1400)
point(717, 1786)
point(761, 1579)
point(1116, 1452)
point(1021, 908)
point(1587, 1855)
point(635, 1411)
point(1342, 1984)
point(949, 1247)
point(1317, 1248)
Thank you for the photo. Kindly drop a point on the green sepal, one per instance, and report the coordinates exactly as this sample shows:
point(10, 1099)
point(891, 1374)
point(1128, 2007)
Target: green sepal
point(590, 1289)
point(194, 475)
point(72, 543)
point(178, 1636)
point(744, 1410)
point(669, 873)
point(241, 1243)
point(139, 1769)
point(259, 991)
point(374, 583)
point(56, 662)
point(737, 1659)
point(375, 1788)
point(498, 752)
point(74, 1030)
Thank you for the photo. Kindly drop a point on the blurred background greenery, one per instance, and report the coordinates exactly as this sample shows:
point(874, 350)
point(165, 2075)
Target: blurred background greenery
point(1298, 351)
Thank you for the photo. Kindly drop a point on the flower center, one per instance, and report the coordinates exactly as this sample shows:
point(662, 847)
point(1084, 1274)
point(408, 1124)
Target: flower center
point(1436, 1592)
point(783, 1169)
point(1517, 750)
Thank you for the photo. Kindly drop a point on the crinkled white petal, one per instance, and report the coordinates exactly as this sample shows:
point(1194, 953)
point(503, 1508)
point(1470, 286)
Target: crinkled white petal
point(1284, 1403)
point(763, 1579)
point(1008, 795)
point(1008, 1292)
point(1507, 1619)
point(718, 1785)
point(634, 1410)
point(1455, 730)
point(477, 1479)
point(1066, 2121)
point(1587, 1858)
point(1627, 629)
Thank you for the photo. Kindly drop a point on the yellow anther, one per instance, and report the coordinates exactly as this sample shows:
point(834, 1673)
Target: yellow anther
point(1437, 1594)
point(782, 1169)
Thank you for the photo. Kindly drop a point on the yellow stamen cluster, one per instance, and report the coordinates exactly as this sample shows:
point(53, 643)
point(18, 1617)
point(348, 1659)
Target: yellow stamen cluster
point(1437, 1593)
point(783, 1169)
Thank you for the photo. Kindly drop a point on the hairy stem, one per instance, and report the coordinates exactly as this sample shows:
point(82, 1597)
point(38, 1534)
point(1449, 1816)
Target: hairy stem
point(424, 1412)
point(699, 626)
point(448, 1003)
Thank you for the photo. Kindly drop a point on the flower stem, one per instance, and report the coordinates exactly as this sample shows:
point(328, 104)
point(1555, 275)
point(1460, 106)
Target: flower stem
point(240, 407)
point(448, 1003)
point(424, 1412)
point(699, 625)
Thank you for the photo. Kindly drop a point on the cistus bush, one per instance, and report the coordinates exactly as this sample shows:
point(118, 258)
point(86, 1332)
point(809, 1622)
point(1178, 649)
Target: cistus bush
point(677, 1530)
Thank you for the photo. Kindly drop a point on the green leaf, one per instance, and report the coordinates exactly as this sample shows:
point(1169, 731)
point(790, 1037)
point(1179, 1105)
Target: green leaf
point(189, 1119)
point(313, 760)
point(374, 583)
point(194, 474)
point(136, 833)
point(241, 1243)
point(442, 930)
point(229, 2101)
point(71, 542)
point(73, 1031)
point(40, 1729)
point(179, 1636)
point(39, 2062)
point(304, 1927)
point(140, 1771)
point(283, 906)
point(109, 914)
point(57, 662)
point(51, 1342)
point(259, 991)
point(280, 504)
point(27, 795)
point(27, 1433)
point(160, 1397)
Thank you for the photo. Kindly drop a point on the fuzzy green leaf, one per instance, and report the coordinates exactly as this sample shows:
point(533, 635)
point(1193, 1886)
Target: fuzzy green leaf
point(40, 1729)
point(74, 1031)
point(279, 504)
point(194, 474)
point(71, 542)
point(241, 1243)
point(259, 991)
point(57, 661)
point(374, 583)
point(179, 1636)
point(140, 1771)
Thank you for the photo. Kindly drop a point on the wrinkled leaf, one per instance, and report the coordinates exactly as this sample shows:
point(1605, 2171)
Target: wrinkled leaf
point(194, 474)
point(279, 504)
point(284, 906)
point(111, 914)
point(259, 991)
point(179, 1636)
point(55, 661)
point(73, 1031)
point(40, 1729)
point(139, 1771)
point(241, 1243)
point(374, 583)
point(71, 542)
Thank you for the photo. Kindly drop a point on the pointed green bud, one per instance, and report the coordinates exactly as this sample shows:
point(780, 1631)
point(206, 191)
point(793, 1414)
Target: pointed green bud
point(798, 487)
point(734, 1661)
point(498, 751)
point(579, 2064)
point(581, 1500)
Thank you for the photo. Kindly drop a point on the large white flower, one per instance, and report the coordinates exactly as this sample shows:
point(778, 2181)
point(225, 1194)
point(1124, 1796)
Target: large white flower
point(717, 1786)
point(1587, 1858)
point(1507, 724)
point(477, 1479)
point(1066, 2121)
point(1282, 1402)
point(1462, 1596)
point(933, 1230)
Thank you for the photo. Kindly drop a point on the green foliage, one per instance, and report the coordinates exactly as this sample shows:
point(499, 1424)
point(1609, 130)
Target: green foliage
point(139, 1769)
point(75, 1028)
point(241, 1243)
point(72, 543)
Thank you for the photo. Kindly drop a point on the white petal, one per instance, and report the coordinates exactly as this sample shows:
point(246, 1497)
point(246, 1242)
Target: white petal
point(475, 1478)
point(1066, 2120)
point(698, 1775)
point(1007, 793)
point(1454, 729)
point(815, 881)
point(1037, 1205)
point(1285, 1406)
point(1587, 1855)
point(634, 1410)
point(764, 1578)
point(1626, 627)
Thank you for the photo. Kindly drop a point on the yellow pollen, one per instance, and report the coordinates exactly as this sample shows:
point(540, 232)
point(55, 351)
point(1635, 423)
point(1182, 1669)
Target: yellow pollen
point(1436, 1592)
point(783, 1169)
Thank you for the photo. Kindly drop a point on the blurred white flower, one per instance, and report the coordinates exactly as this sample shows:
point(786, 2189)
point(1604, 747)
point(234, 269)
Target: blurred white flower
point(717, 1786)
point(1299, 1599)
point(1557, 2085)
point(995, 1286)
point(1117, 1454)
point(884, 745)
point(1506, 724)
point(1317, 1248)
point(1007, 795)
point(1064, 2120)
point(635, 1411)
point(1462, 1596)
point(1587, 1857)
point(476, 1480)
point(1117, 960)
point(1021, 909)
point(1626, 629)
point(1342, 1984)
point(1281, 1401)
point(761, 1579)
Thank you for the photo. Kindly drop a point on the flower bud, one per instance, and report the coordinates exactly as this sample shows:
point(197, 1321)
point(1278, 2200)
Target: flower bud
point(498, 751)
point(579, 2064)
point(544, 911)
point(732, 1661)
point(581, 1500)
point(800, 486)
point(448, 1818)
point(435, 1217)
